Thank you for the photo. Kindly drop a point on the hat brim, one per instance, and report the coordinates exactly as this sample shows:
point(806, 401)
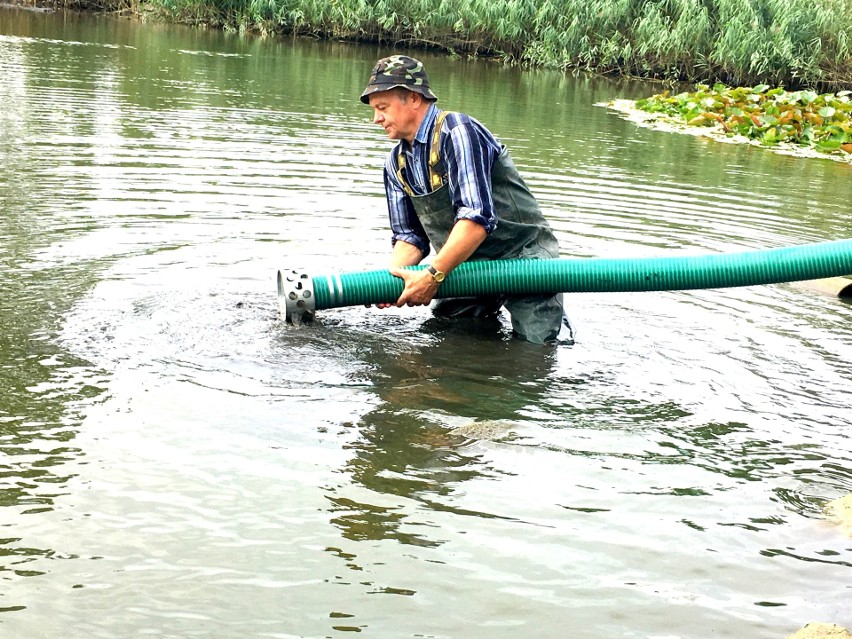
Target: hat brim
point(378, 88)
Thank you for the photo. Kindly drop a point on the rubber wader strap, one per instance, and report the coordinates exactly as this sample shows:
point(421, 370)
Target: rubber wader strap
point(400, 166)
point(436, 180)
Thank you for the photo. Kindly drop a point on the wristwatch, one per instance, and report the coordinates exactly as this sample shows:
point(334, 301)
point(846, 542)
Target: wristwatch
point(437, 275)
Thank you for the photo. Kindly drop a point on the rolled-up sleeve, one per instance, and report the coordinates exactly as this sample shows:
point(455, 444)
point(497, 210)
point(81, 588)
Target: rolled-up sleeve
point(404, 223)
point(469, 152)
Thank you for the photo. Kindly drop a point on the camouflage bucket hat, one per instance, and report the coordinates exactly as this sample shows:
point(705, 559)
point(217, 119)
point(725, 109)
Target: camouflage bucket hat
point(398, 71)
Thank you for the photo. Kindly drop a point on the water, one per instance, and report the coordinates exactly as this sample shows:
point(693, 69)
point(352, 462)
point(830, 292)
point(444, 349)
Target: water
point(178, 463)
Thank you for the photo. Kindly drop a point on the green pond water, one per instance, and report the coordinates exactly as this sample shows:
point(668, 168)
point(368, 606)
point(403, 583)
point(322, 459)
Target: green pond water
point(177, 462)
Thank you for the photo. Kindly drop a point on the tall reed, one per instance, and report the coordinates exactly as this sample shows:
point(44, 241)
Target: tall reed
point(791, 42)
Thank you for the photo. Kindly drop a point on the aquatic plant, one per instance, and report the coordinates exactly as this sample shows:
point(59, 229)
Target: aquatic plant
point(770, 115)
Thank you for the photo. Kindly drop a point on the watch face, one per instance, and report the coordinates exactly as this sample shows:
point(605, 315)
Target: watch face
point(437, 275)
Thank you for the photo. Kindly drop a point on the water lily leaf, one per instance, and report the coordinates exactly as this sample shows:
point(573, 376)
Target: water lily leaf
point(841, 94)
point(760, 88)
point(828, 146)
point(808, 97)
point(836, 133)
point(745, 128)
point(827, 111)
point(769, 137)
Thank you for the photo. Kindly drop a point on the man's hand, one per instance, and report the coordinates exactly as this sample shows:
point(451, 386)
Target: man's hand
point(420, 287)
point(404, 254)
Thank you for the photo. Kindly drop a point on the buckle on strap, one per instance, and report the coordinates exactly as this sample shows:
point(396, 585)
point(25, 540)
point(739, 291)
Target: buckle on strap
point(436, 180)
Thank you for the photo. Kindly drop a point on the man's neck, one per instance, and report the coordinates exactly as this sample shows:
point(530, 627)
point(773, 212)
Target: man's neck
point(420, 117)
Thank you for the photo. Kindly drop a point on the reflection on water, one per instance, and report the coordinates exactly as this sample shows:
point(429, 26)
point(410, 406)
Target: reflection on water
point(408, 444)
point(172, 451)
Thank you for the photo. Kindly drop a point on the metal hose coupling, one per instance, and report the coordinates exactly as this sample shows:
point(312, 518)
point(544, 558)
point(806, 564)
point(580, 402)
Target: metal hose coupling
point(296, 299)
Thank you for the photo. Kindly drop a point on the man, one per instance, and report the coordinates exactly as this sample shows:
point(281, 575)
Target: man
point(451, 184)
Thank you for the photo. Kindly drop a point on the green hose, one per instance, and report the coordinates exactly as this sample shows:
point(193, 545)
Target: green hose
point(301, 293)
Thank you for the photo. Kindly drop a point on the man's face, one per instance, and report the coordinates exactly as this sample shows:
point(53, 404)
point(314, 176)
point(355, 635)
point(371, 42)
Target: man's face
point(396, 114)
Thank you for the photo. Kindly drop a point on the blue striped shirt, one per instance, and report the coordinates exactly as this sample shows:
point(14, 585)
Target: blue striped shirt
point(468, 151)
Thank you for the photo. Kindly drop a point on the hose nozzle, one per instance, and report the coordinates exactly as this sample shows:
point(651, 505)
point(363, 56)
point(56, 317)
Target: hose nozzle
point(296, 299)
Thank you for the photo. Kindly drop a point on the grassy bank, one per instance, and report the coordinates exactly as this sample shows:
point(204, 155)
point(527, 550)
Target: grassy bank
point(795, 43)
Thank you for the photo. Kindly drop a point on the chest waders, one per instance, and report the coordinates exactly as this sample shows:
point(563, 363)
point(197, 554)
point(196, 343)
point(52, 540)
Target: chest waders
point(521, 232)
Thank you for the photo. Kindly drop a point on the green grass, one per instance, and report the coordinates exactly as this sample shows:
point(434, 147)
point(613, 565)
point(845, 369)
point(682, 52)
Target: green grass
point(797, 43)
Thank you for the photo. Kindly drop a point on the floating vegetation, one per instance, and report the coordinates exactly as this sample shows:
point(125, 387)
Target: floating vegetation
point(840, 511)
point(770, 116)
point(819, 630)
point(487, 429)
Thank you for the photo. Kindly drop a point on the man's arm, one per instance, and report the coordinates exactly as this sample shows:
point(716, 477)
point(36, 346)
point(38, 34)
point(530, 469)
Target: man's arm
point(420, 287)
point(469, 151)
point(405, 254)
